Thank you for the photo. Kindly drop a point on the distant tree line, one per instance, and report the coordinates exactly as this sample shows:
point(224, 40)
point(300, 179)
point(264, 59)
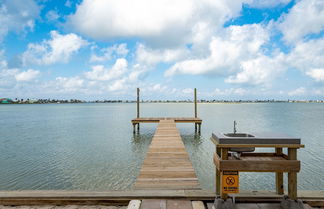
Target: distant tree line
point(64, 101)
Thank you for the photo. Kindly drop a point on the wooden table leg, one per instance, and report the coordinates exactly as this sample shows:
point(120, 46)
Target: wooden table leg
point(218, 174)
point(224, 156)
point(292, 176)
point(279, 176)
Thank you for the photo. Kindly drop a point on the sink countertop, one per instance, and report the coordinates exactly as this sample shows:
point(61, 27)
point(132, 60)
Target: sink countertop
point(259, 138)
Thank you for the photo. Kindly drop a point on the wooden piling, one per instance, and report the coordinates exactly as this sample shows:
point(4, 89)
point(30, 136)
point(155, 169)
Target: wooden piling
point(138, 101)
point(138, 109)
point(195, 101)
point(224, 156)
point(292, 176)
point(218, 174)
point(279, 176)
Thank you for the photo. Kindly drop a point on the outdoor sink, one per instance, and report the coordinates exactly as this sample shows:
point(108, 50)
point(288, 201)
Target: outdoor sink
point(253, 138)
point(238, 135)
point(241, 149)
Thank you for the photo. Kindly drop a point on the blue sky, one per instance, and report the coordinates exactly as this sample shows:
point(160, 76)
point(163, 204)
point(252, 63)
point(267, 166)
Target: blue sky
point(104, 49)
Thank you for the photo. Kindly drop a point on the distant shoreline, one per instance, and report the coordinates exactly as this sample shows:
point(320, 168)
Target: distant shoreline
point(161, 101)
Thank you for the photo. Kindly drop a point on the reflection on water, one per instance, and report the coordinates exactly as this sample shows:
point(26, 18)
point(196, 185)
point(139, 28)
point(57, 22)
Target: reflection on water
point(92, 146)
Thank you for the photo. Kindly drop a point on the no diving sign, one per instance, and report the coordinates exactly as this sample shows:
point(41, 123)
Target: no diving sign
point(230, 182)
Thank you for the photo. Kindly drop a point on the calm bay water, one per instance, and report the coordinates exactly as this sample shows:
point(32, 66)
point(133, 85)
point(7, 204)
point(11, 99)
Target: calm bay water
point(92, 147)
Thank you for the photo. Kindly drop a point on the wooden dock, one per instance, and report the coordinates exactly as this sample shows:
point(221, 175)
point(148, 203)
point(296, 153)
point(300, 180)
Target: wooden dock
point(176, 120)
point(167, 164)
point(197, 121)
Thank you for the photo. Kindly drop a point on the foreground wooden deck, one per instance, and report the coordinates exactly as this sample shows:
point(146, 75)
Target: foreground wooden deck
point(167, 164)
point(59, 197)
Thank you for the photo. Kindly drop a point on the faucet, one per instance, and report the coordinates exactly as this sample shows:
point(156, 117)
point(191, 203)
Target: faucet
point(234, 127)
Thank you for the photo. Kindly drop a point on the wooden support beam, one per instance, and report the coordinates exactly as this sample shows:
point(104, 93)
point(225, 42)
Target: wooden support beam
point(224, 156)
point(138, 110)
point(257, 164)
point(218, 174)
point(279, 176)
point(195, 101)
point(292, 176)
point(138, 101)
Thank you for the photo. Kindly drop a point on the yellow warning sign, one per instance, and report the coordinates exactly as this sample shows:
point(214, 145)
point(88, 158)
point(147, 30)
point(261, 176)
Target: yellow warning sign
point(230, 182)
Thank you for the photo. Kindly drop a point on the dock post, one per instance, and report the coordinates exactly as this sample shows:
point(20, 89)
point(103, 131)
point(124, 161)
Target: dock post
point(134, 125)
point(292, 176)
point(218, 174)
point(195, 101)
point(138, 108)
point(224, 156)
point(279, 176)
point(199, 128)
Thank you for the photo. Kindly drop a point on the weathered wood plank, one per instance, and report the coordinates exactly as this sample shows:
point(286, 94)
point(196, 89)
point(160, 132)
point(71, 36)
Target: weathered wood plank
point(153, 204)
point(176, 119)
point(64, 197)
point(262, 164)
point(179, 204)
point(198, 205)
point(292, 175)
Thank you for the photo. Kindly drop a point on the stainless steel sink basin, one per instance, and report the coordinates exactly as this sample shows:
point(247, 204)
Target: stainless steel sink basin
point(253, 138)
point(238, 135)
point(240, 149)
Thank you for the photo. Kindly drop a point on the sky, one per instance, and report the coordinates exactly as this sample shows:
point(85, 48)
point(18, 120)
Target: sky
point(105, 49)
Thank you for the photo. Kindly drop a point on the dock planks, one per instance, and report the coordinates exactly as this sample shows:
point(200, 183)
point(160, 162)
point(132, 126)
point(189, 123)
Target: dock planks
point(175, 119)
point(167, 164)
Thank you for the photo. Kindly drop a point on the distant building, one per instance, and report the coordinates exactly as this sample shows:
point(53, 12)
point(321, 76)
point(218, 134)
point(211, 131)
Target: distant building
point(5, 101)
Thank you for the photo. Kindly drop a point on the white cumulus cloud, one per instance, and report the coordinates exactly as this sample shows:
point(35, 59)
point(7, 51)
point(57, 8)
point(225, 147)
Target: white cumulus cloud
point(162, 22)
point(59, 48)
point(317, 74)
point(306, 17)
point(17, 16)
point(298, 92)
point(267, 3)
point(237, 44)
point(27, 75)
point(307, 55)
point(117, 50)
point(100, 73)
point(69, 84)
point(259, 71)
point(149, 56)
